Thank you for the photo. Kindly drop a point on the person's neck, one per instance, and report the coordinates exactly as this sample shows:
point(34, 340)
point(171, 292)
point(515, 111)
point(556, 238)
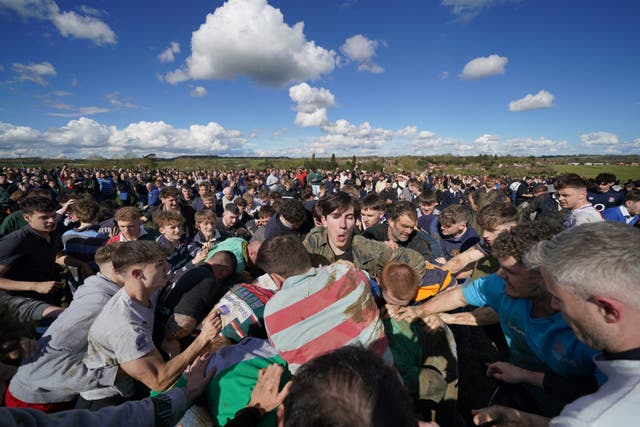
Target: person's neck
point(286, 223)
point(174, 242)
point(139, 294)
point(338, 251)
point(582, 205)
point(390, 235)
point(541, 306)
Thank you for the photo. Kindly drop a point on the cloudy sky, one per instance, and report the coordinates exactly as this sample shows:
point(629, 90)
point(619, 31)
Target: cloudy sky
point(291, 77)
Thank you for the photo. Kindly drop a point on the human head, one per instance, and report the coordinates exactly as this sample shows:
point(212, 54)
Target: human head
point(510, 249)
point(103, 258)
point(571, 190)
point(402, 218)
point(85, 211)
point(206, 222)
point(169, 224)
point(208, 200)
point(230, 215)
point(339, 212)
point(539, 189)
point(203, 187)
point(293, 211)
point(141, 260)
point(283, 256)
point(128, 221)
point(265, 213)
point(224, 264)
point(495, 218)
point(632, 201)
point(591, 272)
point(169, 197)
point(427, 201)
point(350, 386)
point(227, 192)
point(398, 283)
point(40, 213)
point(605, 181)
point(372, 209)
point(453, 220)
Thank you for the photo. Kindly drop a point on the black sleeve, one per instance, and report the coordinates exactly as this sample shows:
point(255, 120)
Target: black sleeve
point(245, 417)
point(200, 299)
point(570, 388)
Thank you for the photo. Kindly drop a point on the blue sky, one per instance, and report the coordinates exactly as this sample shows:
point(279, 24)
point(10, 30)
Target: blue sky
point(285, 77)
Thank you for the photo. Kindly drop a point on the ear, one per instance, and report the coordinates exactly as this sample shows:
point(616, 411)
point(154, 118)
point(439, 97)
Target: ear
point(280, 414)
point(136, 273)
point(609, 308)
point(324, 220)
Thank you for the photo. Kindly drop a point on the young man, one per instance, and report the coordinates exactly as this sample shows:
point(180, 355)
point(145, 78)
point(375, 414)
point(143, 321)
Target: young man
point(372, 211)
point(547, 364)
point(130, 227)
point(291, 219)
point(170, 223)
point(83, 241)
point(207, 234)
point(121, 336)
point(170, 201)
point(628, 212)
point(572, 195)
point(599, 300)
point(604, 196)
point(334, 240)
point(51, 379)
point(456, 235)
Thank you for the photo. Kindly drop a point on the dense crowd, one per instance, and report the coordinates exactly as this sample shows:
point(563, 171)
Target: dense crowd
point(317, 297)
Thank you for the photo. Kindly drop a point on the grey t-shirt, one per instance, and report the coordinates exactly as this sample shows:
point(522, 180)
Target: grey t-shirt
point(55, 373)
point(121, 333)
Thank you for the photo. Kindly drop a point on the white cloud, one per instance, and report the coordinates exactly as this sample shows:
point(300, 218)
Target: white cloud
point(311, 104)
point(599, 138)
point(85, 137)
point(443, 75)
point(118, 101)
point(487, 143)
point(542, 99)
point(361, 50)
point(69, 24)
point(198, 92)
point(167, 54)
point(250, 38)
point(467, 10)
point(34, 72)
point(530, 146)
point(484, 66)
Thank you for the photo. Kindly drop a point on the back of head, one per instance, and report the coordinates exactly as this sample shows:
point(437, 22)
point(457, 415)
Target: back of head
point(400, 280)
point(633, 196)
point(347, 387)
point(86, 210)
point(283, 254)
point(127, 213)
point(454, 214)
point(293, 211)
point(593, 259)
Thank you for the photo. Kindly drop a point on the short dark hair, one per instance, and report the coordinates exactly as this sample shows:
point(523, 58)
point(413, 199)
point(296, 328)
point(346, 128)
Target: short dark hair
point(232, 209)
point(105, 253)
point(137, 252)
point(283, 254)
point(293, 211)
point(169, 192)
point(402, 208)
point(339, 201)
point(266, 211)
point(605, 178)
point(496, 214)
point(633, 195)
point(86, 210)
point(373, 201)
point(30, 205)
point(454, 214)
point(520, 239)
point(570, 180)
point(427, 196)
point(350, 386)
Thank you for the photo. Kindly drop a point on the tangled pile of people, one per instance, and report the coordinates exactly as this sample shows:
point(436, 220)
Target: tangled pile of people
point(299, 298)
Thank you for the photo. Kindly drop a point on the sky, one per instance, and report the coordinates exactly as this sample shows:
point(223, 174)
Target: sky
point(120, 79)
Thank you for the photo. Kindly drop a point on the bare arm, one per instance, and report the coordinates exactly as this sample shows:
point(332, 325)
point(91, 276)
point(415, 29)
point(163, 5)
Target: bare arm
point(479, 317)
point(445, 301)
point(507, 417)
point(460, 261)
point(179, 326)
point(512, 374)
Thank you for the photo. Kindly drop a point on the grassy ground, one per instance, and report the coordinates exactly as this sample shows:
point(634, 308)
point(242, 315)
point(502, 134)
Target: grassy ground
point(624, 173)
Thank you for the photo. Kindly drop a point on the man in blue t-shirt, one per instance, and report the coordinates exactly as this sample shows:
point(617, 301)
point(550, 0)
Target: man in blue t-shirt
point(547, 364)
point(604, 196)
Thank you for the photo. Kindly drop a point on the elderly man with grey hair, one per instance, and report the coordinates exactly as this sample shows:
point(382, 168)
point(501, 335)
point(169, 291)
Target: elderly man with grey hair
point(592, 273)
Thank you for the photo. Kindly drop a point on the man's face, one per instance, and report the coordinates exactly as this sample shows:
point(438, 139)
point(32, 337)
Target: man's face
point(401, 228)
point(202, 189)
point(172, 231)
point(521, 283)
point(428, 208)
point(206, 228)
point(454, 229)
point(42, 222)
point(155, 274)
point(171, 203)
point(208, 203)
point(186, 193)
point(581, 315)
point(340, 227)
point(603, 187)
point(571, 198)
point(371, 217)
point(491, 234)
point(129, 229)
point(229, 219)
point(633, 207)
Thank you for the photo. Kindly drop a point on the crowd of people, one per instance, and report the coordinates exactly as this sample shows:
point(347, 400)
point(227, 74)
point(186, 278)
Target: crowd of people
point(314, 297)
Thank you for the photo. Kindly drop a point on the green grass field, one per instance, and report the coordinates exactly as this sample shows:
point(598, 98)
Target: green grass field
point(624, 173)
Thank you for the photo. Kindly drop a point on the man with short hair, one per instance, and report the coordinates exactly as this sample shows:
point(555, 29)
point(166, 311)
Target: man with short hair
point(572, 195)
point(130, 227)
point(372, 210)
point(291, 219)
point(170, 201)
point(335, 240)
point(599, 301)
point(604, 196)
point(628, 212)
point(121, 335)
point(228, 224)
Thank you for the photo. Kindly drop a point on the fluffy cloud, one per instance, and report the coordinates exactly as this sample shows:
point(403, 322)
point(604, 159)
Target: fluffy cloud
point(34, 72)
point(85, 137)
point(118, 101)
point(598, 138)
point(250, 38)
point(198, 91)
point(484, 66)
point(542, 99)
point(530, 146)
point(487, 143)
point(167, 54)
point(311, 104)
point(69, 24)
point(467, 10)
point(362, 50)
